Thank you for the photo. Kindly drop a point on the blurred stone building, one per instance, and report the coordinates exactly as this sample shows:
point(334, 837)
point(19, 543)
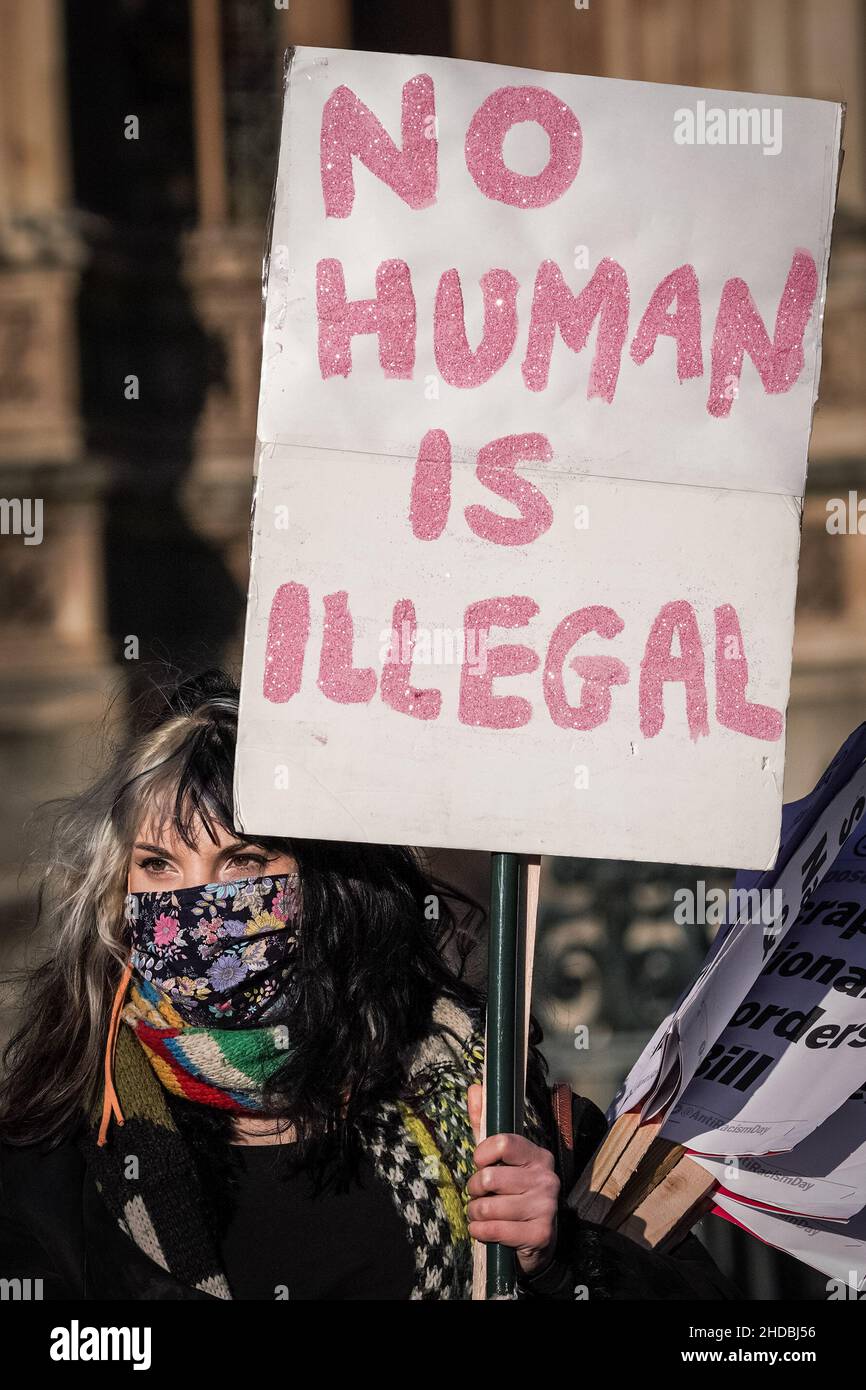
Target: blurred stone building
point(137, 150)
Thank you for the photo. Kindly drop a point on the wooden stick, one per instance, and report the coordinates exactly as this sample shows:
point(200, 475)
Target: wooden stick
point(599, 1167)
point(623, 1169)
point(660, 1159)
point(669, 1212)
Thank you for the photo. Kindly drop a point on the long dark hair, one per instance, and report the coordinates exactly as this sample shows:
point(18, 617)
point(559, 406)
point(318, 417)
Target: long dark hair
point(381, 940)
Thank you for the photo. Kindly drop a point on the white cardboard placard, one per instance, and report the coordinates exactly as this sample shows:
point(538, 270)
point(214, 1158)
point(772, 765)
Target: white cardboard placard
point(659, 491)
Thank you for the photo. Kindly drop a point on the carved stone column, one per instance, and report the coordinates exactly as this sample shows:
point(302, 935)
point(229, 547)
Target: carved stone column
point(52, 672)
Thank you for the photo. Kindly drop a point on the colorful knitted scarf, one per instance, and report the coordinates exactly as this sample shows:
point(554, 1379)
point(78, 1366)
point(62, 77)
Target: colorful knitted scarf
point(422, 1153)
point(224, 1067)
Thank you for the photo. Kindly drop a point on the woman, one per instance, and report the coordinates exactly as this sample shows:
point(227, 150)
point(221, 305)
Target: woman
point(249, 1067)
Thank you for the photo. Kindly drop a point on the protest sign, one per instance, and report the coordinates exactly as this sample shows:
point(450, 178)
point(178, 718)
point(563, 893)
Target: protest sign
point(750, 1094)
point(823, 1177)
point(839, 1252)
point(816, 830)
point(793, 1048)
point(537, 384)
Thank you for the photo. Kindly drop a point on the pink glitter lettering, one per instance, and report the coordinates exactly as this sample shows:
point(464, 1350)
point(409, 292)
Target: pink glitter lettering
point(391, 314)
point(395, 687)
point(684, 324)
point(338, 678)
point(431, 486)
point(598, 673)
point(478, 705)
point(659, 665)
point(733, 710)
point(495, 469)
point(459, 365)
point(487, 131)
point(554, 306)
point(350, 128)
point(739, 328)
point(286, 643)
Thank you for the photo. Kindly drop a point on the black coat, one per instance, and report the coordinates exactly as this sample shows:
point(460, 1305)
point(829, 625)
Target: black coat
point(54, 1226)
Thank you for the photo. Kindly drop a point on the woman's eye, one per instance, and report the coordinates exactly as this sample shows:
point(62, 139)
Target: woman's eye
point(247, 860)
point(153, 865)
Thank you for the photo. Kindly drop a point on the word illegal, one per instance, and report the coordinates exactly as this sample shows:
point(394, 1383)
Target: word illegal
point(340, 680)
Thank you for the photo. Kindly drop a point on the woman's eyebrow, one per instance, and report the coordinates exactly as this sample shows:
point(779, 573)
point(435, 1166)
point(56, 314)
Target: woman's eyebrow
point(154, 849)
point(241, 844)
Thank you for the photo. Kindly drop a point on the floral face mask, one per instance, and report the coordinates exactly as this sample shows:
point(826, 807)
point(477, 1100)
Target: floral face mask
point(222, 953)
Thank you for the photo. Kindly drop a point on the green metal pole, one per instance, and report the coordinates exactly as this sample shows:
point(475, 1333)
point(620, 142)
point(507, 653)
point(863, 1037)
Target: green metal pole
point(502, 1034)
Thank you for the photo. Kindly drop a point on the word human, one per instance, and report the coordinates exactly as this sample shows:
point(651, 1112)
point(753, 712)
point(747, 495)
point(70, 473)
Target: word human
point(350, 130)
point(391, 314)
point(341, 680)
